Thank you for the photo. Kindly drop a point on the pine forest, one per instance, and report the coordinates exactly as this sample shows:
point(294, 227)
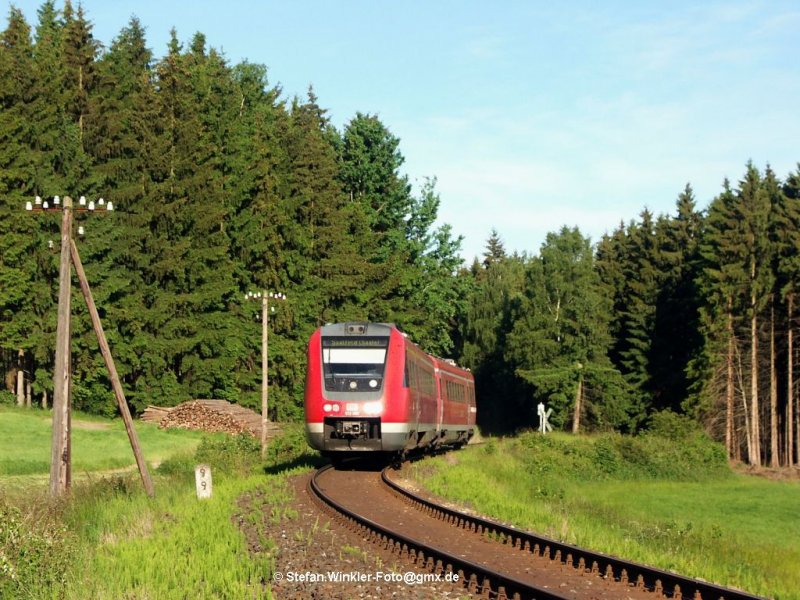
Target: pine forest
point(222, 185)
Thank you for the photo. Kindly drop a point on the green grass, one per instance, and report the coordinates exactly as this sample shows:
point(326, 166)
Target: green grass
point(97, 444)
point(173, 547)
point(672, 504)
point(108, 540)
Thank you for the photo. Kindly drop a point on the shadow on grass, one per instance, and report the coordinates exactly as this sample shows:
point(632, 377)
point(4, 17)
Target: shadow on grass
point(306, 461)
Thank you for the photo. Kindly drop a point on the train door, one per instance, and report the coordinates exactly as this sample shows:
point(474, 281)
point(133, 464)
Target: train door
point(441, 398)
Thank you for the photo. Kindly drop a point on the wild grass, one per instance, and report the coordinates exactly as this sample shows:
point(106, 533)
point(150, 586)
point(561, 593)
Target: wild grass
point(669, 503)
point(108, 540)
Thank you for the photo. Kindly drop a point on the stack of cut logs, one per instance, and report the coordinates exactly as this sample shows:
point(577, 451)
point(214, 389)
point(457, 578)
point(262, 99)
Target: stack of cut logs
point(207, 415)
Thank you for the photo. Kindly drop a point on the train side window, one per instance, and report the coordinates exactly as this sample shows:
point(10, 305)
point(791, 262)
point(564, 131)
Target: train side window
point(405, 371)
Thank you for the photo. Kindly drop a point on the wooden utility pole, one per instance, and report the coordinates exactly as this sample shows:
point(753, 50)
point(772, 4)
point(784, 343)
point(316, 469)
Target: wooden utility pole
point(576, 416)
point(112, 370)
point(20, 378)
point(60, 459)
point(264, 296)
point(264, 370)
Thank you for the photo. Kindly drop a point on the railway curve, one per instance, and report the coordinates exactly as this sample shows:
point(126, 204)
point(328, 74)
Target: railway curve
point(658, 581)
point(491, 559)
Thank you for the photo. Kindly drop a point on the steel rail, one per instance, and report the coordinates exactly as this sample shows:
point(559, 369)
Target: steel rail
point(435, 559)
point(650, 578)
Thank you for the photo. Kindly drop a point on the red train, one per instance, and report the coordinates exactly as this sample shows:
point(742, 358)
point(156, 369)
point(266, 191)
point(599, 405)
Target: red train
point(371, 389)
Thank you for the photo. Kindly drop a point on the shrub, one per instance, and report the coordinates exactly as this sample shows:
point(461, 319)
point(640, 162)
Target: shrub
point(290, 448)
point(35, 553)
point(672, 426)
point(236, 455)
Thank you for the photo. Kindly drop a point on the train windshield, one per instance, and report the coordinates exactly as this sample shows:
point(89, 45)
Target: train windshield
point(354, 364)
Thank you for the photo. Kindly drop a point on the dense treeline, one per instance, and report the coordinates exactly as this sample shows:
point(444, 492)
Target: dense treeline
point(222, 186)
point(691, 313)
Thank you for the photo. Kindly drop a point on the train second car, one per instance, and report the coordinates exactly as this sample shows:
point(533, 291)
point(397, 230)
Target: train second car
point(370, 389)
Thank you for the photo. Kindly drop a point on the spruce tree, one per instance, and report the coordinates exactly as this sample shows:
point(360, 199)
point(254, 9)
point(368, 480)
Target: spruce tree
point(560, 340)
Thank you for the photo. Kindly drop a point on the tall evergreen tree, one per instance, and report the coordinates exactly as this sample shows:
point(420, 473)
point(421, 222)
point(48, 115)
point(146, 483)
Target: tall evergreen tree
point(488, 319)
point(787, 243)
point(560, 341)
point(675, 336)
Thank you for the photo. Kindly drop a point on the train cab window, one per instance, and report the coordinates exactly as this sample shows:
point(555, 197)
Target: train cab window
point(354, 365)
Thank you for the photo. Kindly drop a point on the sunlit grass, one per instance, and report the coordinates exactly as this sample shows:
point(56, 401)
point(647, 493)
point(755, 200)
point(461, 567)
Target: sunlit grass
point(175, 546)
point(110, 541)
point(97, 444)
point(735, 530)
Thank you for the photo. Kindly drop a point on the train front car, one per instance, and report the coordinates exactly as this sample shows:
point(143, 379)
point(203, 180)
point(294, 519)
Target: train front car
point(355, 398)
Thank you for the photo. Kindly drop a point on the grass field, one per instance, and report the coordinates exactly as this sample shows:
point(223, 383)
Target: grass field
point(702, 520)
point(109, 540)
point(97, 444)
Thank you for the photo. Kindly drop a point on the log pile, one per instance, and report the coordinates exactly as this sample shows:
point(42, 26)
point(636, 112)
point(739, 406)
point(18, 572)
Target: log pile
point(154, 414)
point(208, 415)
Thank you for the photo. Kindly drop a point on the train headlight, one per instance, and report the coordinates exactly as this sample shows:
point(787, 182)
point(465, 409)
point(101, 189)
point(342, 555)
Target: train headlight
point(327, 407)
point(335, 408)
point(373, 383)
point(353, 385)
point(373, 408)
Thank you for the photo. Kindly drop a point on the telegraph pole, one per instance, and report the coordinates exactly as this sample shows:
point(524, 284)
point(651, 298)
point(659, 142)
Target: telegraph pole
point(264, 296)
point(60, 457)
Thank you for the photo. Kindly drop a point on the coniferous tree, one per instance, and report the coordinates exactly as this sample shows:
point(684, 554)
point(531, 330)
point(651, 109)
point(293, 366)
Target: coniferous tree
point(488, 320)
point(722, 280)
point(18, 239)
point(560, 341)
point(789, 280)
point(676, 337)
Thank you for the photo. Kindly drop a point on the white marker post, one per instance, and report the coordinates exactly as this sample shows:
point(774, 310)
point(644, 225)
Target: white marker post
point(544, 425)
point(202, 478)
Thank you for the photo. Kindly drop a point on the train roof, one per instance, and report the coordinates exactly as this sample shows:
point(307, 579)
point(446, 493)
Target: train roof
point(358, 328)
point(366, 328)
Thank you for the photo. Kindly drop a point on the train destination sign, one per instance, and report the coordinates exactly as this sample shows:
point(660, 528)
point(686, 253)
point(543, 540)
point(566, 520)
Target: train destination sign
point(336, 342)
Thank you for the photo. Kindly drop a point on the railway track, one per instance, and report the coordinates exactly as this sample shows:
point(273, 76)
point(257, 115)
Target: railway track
point(491, 559)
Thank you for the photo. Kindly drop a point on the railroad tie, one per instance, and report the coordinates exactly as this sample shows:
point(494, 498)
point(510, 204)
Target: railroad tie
point(486, 588)
point(421, 559)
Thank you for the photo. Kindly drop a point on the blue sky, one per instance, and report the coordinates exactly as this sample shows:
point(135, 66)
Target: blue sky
point(532, 115)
